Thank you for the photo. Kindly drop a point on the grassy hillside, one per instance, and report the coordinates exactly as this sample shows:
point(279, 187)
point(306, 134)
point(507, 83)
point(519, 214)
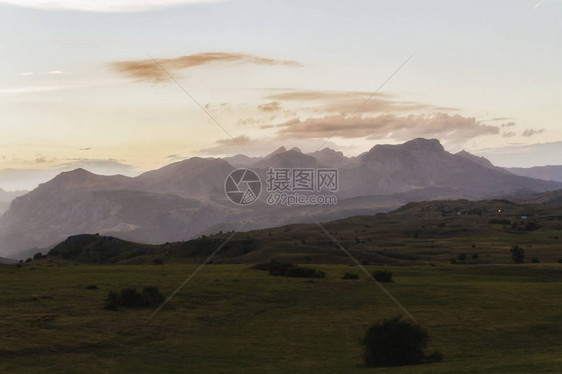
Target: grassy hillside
point(232, 319)
point(480, 232)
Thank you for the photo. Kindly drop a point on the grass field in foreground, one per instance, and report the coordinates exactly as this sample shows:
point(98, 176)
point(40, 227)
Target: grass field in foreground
point(230, 319)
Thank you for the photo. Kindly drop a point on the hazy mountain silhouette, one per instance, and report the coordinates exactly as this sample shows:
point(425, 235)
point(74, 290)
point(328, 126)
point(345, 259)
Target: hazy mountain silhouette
point(194, 177)
point(281, 158)
point(186, 198)
point(549, 172)
point(6, 198)
point(482, 161)
point(422, 164)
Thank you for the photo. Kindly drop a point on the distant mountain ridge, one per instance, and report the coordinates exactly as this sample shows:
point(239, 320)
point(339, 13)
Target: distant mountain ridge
point(6, 198)
point(186, 198)
point(549, 172)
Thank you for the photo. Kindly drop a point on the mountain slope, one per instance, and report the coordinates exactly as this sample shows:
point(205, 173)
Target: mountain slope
point(201, 177)
point(6, 197)
point(185, 199)
point(416, 233)
point(422, 164)
point(550, 173)
point(78, 201)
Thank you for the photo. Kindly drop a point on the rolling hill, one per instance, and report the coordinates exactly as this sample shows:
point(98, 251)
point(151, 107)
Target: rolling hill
point(416, 233)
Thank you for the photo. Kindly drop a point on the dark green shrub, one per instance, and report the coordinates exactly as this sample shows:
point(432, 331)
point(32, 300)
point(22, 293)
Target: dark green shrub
point(494, 221)
point(152, 296)
point(517, 254)
point(531, 226)
point(112, 301)
point(395, 342)
point(274, 267)
point(350, 276)
point(461, 257)
point(289, 270)
point(300, 272)
point(91, 287)
point(383, 276)
point(131, 298)
point(535, 260)
point(475, 256)
point(157, 261)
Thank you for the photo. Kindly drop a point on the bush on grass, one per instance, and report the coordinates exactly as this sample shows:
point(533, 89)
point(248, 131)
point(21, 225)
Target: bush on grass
point(383, 276)
point(286, 269)
point(395, 342)
point(131, 298)
point(517, 254)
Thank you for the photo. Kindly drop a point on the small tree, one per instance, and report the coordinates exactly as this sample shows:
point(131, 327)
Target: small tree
point(383, 276)
point(517, 254)
point(394, 342)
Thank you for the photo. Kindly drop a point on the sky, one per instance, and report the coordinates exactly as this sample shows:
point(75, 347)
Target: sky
point(128, 86)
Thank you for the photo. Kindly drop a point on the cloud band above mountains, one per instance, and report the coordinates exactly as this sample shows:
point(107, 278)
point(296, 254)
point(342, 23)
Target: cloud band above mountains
point(442, 125)
point(148, 70)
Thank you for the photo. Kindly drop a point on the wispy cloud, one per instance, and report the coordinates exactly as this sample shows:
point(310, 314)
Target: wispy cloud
point(26, 73)
point(56, 72)
point(50, 88)
point(349, 101)
point(270, 107)
point(24, 90)
point(111, 6)
point(147, 70)
point(454, 128)
point(508, 134)
point(530, 132)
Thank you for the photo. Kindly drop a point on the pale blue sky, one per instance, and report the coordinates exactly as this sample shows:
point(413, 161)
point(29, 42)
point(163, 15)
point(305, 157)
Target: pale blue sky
point(475, 59)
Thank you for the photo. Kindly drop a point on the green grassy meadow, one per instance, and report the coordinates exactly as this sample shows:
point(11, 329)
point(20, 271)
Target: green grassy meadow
point(233, 319)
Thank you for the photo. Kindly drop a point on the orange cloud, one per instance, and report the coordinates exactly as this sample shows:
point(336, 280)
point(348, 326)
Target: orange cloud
point(270, 107)
point(350, 101)
point(452, 128)
point(148, 70)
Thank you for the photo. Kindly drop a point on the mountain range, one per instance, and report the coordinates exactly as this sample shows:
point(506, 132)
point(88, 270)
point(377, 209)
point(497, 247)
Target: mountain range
point(6, 198)
point(186, 199)
point(549, 172)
